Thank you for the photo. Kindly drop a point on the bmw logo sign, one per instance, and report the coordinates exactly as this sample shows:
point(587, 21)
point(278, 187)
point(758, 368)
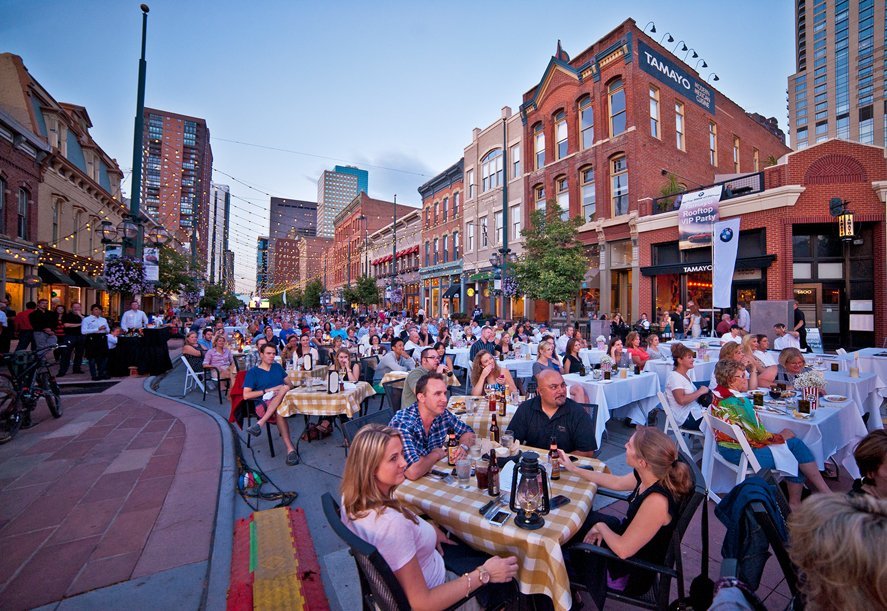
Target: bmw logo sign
point(726, 234)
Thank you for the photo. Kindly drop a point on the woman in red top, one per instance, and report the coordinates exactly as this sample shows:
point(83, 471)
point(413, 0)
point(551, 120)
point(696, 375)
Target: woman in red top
point(638, 354)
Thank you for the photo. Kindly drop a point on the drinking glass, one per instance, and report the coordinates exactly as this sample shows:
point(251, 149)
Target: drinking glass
point(475, 452)
point(506, 439)
point(463, 472)
point(480, 470)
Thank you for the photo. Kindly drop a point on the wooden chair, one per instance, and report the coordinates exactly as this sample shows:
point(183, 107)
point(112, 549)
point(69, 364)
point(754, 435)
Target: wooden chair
point(748, 462)
point(657, 597)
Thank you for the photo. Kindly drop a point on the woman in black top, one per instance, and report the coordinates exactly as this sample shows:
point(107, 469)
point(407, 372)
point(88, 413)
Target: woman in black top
point(659, 484)
point(572, 362)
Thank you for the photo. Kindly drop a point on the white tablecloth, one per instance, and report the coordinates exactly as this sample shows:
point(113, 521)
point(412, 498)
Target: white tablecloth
point(701, 371)
point(523, 367)
point(591, 357)
point(870, 362)
point(834, 430)
point(632, 397)
point(461, 357)
point(862, 392)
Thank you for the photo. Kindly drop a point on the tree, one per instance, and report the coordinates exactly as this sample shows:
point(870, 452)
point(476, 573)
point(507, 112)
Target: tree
point(174, 274)
point(215, 294)
point(311, 296)
point(364, 293)
point(553, 263)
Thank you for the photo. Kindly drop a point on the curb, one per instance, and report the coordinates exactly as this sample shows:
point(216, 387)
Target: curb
point(218, 570)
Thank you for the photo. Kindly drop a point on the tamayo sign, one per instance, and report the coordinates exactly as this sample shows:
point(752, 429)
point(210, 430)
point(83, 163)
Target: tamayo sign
point(666, 69)
point(697, 214)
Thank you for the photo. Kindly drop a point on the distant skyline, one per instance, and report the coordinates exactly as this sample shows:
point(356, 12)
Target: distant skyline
point(290, 89)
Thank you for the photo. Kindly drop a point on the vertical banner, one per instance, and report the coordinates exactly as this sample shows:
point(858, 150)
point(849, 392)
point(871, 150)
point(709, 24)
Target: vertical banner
point(152, 263)
point(698, 211)
point(724, 263)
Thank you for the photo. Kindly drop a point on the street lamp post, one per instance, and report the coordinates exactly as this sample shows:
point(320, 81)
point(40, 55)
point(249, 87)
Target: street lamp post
point(134, 214)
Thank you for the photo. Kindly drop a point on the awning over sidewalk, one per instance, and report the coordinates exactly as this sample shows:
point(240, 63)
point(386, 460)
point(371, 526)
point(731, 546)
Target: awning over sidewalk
point(453, 291)
point(86, 281)
point(50, 274)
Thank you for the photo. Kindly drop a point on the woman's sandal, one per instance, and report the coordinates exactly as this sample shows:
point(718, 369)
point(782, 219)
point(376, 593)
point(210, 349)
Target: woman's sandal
point(325, 429)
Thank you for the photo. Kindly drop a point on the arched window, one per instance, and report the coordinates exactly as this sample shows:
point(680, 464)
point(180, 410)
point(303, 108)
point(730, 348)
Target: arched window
point(616, 94)
point(589, 199)
point(539, 145)
point(491, 170)
point(562, 190)
point(560, 135)
point(586, 122)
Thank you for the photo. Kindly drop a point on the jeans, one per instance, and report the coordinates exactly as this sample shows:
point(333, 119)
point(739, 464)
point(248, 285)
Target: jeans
point(461, 559)
point(25, 340)
point(98, 367)
point(76, 345)
point(797, 447)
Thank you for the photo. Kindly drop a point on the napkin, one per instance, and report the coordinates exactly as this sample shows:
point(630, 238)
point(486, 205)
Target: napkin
point(505, 475)
point(784, 460)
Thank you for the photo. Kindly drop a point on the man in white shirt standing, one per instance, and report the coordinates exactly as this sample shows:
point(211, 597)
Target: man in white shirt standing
point(133, 318)
point(563, 339)
point(94, 328)
point(743, 319)
point(784, 338)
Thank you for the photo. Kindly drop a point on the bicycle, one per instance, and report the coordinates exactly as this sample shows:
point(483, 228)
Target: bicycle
point(28, 380)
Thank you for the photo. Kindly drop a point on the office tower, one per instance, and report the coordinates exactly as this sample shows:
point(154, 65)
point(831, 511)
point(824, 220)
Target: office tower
point(262, 283)
point(292, 217)
point(838, 88)
point(335, 190)
point(217, 232)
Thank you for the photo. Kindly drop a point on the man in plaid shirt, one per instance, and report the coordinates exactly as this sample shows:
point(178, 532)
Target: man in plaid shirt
point(424, 426)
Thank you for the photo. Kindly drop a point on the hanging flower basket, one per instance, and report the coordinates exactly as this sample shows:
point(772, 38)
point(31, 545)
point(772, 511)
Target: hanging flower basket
point(125, 275)
point(510, 287)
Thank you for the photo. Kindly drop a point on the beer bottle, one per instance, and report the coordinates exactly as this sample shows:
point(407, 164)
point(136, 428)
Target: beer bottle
point(452, 446)
point(494, 429)
point(493, 474)
point(502, 405)
point(553, 457)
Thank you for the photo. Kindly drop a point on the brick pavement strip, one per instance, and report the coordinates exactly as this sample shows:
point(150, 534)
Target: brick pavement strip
point(103, 494)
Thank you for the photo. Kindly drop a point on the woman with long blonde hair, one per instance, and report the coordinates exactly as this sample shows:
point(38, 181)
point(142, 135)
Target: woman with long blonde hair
point(418, 553)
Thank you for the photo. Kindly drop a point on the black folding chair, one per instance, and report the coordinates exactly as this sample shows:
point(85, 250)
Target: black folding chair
point(671, 568)
point(379, 587)
point(249, 412)
point(394, 392)
point(350, 427)
point(591, 409)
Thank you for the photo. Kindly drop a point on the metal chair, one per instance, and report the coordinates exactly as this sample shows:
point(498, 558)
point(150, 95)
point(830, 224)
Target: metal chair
point(394, 392)
point(379, 587)
point(671, 567)
point(249, 407)
point(350, 427)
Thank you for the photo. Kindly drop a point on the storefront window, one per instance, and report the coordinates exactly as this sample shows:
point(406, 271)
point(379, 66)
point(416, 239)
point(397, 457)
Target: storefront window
point(699, 289)
point(668, 291)
point(589, 303)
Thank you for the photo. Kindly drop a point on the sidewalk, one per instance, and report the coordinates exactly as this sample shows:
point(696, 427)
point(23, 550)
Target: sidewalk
point(123, 489)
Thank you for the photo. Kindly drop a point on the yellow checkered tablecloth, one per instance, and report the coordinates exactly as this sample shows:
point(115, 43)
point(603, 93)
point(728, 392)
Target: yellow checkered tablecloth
point(541, 568)
point(480, 420)
point(391, 376)
point(297, 376)
point(321, 403)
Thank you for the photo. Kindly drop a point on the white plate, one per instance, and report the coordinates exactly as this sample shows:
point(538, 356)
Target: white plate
point(835, 398)
point(604, 381)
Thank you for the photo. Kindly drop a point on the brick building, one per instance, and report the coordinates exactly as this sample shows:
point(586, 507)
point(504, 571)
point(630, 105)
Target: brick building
point(283, 263)
point(441, 288)
point(606, 132)
point(493, 173)
point(345, 258)
point(384, 244)
point(789, 246)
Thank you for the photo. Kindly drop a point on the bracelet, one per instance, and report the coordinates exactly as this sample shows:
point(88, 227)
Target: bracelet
point(468, 590)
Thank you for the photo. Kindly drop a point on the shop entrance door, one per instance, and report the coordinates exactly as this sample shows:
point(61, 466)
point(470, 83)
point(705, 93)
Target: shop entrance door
point(620, 294)
point(821, 305)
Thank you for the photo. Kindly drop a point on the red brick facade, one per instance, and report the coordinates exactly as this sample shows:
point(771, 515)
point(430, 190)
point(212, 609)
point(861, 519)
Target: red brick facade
point(811, 177)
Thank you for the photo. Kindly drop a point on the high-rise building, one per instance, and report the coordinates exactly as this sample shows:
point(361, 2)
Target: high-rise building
point(176, 174)
point(262, 283)
point(363, 177)
point(837, 90)
point(291, 218)
point(217, 232)
point(335, 190)
point(228, 272)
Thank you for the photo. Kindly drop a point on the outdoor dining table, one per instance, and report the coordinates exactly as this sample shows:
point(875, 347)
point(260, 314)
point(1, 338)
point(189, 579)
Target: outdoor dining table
point(591, 356)
point(316, 401)
point(701, 371)
point(391, 376)
point(300, 376)
point(833, 430)
point(862, 391)
point(541, 567)
point(871, 360)
point(631, 397)
point(460, 356)
point(477, 414)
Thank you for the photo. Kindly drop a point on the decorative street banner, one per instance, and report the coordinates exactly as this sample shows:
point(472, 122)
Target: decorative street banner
point(724, 262)
point(112, 251)
point(152, 263)
point(667, 70)
point(697, 213)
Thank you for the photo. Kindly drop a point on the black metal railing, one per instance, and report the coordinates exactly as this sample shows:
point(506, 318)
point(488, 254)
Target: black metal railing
point(735, 187)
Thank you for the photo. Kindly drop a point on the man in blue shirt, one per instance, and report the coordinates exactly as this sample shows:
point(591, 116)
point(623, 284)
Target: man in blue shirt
point(269, 379)
point(286, 331)
point(424, 426)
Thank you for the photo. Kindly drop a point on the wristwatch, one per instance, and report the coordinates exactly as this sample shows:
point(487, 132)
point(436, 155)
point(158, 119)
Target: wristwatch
point(483, 574)
point(463, 446)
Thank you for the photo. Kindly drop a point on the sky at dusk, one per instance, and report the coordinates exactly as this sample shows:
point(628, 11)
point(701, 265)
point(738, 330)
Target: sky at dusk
point(289, 89)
